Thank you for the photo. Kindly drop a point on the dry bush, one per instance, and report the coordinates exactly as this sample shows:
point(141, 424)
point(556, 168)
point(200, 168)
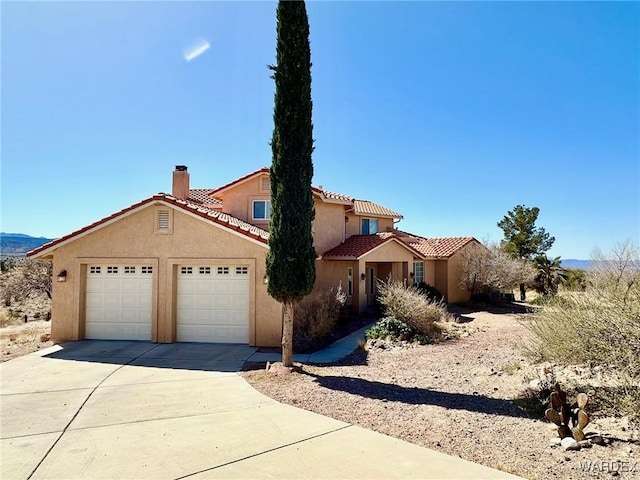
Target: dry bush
point(597, 327)
point(486, 268)
point(409, 305)
point(6, 319)
point(315, 318)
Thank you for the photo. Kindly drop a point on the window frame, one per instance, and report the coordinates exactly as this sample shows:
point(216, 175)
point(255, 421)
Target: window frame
point(416, 279)
point(267, 210)
point(368, 222)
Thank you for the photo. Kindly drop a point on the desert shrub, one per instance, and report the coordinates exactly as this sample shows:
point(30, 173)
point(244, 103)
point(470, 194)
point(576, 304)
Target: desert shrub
point(389, 327)
point(597, 327)
point(431, 292)
point(549, 300)
point(576, 279)
point(407, 304)
point(315, 318)
point(6, 319)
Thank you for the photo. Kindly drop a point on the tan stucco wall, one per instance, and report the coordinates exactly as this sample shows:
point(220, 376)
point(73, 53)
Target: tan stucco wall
point(353, 226)
point(455, 294)
point(430, 272)
point(131, 239)
point(238, 200)
point(441, 275)
point(328, 226)
point(330, 274)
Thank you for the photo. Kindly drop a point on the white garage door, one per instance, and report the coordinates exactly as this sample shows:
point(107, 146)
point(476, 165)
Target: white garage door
point(213, 304)
point(118, 302)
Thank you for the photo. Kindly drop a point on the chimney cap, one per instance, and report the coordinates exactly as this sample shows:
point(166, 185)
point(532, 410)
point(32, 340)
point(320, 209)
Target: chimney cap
point(181, 168)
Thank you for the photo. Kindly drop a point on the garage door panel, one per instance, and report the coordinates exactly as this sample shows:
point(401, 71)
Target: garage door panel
point(203, 302)
point(118, 303)
point(111, 300)
point(213, 304)
point(130, 301)
point(94, 301)
point(95, 284)
point(186, 287)
point(112, 285)
point(204, 334)
point(240, 288)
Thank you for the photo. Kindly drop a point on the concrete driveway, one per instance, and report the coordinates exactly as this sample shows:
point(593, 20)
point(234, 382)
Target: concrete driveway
point(107, 409)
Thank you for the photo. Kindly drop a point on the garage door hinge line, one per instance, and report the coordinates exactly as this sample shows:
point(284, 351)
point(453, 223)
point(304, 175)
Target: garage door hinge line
point(64, 430)
point(262, 453)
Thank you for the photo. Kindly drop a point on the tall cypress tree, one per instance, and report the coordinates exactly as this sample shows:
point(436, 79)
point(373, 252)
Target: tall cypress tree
point(291, 257)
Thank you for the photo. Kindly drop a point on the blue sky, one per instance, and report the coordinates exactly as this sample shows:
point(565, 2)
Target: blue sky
point(450, 112)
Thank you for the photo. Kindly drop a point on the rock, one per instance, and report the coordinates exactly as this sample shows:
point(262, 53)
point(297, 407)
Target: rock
point(534, 384)
point(569, 443)
point(596, 439)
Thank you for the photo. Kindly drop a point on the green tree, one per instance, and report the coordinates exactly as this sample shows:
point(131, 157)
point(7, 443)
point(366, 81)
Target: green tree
point(549, 274)
point(291, 258)
point(522, 239)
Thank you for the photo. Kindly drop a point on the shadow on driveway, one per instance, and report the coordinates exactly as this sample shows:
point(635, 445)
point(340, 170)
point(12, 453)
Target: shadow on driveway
point(185, 356)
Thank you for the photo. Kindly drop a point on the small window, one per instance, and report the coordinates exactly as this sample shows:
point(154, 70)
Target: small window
point(261, 209)
point(112, 269)
point(186, 270)
point(95, 270)
point(204, 270)
point(418, 272)
point(350, 281)
point(242, 270)
point(164, 223)
point(130, 270)
point(223, 270)
point(369, 226)
point(146, 269)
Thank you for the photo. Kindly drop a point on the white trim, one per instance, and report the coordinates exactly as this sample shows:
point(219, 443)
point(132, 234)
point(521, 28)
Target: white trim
point(253, 209)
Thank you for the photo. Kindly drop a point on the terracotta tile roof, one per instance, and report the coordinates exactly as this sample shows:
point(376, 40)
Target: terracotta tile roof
point(201, 195)
point(217, 216)
point(365, 207)
point(443, 247)
point(358, 245)
point(333, 195)
point(210, 214)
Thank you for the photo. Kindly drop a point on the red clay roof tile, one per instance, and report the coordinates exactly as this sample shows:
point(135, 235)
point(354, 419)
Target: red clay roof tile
point(358, 245)
point(443, 247)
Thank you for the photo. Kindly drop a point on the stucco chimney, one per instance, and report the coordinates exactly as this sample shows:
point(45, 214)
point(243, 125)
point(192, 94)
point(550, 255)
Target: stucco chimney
point(180, 187)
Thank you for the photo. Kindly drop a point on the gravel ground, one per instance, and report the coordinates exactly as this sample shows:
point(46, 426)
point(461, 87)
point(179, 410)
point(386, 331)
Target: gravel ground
point(456, 397)
point(22, 338)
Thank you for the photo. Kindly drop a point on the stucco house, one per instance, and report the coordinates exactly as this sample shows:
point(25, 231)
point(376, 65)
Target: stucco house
point(190, 266)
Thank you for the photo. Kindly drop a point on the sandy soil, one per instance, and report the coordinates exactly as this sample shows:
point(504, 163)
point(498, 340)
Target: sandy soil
point(456, 397)
point(22, 338)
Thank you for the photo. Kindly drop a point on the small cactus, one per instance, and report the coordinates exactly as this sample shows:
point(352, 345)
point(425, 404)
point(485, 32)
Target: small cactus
point(570, 420)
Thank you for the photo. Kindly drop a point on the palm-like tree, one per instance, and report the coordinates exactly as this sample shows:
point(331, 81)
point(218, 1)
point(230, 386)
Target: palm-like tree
point(549, 275)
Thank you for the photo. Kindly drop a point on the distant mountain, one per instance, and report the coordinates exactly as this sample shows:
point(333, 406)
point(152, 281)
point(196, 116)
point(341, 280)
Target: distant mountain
point(573, 263)
point(18, 244)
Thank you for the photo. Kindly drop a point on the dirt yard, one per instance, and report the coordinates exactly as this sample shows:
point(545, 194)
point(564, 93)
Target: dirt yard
point(457, 397)
point(22, 338)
